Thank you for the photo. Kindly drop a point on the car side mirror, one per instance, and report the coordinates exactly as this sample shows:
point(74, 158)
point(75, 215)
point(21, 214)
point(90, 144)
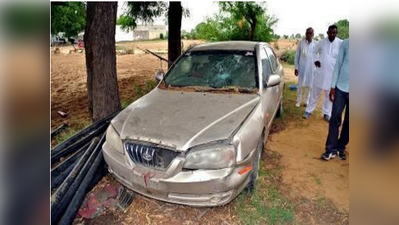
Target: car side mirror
point(159, 75)
point(274, 80)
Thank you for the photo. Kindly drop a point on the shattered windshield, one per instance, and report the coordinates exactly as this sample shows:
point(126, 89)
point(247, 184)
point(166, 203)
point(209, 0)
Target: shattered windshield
point(214, 69)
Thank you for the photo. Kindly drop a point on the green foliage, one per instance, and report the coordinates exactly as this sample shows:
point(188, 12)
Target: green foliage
point(208, 30)
point(298, 36)
point(288, 56)
point(186, 35)
point(276, 37)
point(68, 17)
point(146, 12)
point(189, 35)
point(140, 11)
point(343, 28)
point(161, 36)
point(321, 36)
point(235, 21)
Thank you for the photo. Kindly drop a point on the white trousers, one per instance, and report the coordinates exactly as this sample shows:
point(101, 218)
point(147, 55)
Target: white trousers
point(306, 94)
point(327, 104)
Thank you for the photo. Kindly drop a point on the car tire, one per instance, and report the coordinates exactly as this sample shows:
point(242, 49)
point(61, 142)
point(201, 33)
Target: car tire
point(255, 166)
point(280, 110)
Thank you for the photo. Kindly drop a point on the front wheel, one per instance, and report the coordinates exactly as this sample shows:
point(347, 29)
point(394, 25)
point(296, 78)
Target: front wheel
point(255, 167)
point(280, 110)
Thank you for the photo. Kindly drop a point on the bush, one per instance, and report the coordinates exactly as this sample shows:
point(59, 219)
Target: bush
point(130, 51)
point(288, 56)
point(161, 36)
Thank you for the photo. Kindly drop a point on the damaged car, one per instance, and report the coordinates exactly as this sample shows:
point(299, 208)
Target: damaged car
point(197, 138)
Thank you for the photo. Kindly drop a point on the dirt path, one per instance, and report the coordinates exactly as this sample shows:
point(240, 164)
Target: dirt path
point(304, 172)
point(300, 144)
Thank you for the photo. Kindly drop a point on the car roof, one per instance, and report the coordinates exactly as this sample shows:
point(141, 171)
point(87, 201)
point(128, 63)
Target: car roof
point(227, 45)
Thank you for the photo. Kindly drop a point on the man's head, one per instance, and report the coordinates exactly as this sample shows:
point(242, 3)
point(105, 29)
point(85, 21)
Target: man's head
point(332, 32)
point(309, 34)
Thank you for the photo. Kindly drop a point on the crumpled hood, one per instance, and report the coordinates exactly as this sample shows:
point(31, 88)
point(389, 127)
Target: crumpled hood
point(181, 120)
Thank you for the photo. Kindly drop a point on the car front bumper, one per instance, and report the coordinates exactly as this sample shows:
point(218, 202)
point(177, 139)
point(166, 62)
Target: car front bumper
point(194, 187)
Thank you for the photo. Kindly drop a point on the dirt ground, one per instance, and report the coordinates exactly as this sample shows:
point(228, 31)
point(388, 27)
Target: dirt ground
point(304, 172)
point(68, 78)
point(318, 190)
point(68, 83)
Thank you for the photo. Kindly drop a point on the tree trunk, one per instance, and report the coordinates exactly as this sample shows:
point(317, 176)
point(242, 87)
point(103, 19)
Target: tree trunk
point(174, 39)
point(253, 25)
point(99, 38)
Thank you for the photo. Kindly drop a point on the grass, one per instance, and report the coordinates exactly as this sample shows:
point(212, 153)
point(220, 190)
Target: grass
point(126, 102)
point(321, 201)
point(75, 126)
point(292, 114)
point(287, 65)
point(266, 205)
point(139, 91)
point(317, 179)
point(125, 49)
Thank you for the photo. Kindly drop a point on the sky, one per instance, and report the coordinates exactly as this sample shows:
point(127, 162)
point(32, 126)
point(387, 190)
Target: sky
point(294, 15)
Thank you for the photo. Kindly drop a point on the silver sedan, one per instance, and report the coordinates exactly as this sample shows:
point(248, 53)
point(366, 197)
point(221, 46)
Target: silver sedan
point(197, 138)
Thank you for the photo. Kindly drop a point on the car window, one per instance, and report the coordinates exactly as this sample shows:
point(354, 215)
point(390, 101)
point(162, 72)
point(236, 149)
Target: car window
point(266, 69)
point(273, 59)
point(215, 69)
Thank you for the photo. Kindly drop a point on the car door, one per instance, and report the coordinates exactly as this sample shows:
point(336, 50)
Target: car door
point(275, 69)
point(267, 92)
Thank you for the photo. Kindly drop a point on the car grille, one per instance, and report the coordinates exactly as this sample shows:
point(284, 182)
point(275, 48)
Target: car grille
point(150, 156)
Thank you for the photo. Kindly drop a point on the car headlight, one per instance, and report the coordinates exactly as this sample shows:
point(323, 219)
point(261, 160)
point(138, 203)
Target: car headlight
point(213, 158)
point(112, 138)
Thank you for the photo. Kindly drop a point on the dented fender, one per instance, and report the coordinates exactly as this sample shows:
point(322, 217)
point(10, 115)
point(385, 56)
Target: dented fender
point(247, 137)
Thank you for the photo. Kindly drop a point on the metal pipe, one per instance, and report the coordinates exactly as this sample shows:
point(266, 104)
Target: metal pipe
point(69, 181)
point(57, 180)
point(58, 130)
point(59, 204)
point(73, 147)
point(84, 187)
point(67, 162)
point(83, 133)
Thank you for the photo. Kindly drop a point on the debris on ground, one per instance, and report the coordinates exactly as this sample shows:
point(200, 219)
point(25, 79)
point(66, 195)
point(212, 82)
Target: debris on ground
point(101, 199)
point(62, 114)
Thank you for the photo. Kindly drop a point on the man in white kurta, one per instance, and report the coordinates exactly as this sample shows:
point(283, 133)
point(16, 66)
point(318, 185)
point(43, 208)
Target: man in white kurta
point(325, 56)
point(304, 67)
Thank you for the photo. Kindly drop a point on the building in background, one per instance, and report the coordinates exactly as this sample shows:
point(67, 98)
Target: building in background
point(149, 32)
point(140, 33)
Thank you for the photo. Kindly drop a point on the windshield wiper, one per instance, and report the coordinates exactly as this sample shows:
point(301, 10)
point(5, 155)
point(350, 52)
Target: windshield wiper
point(215, 89)
point(232, 89)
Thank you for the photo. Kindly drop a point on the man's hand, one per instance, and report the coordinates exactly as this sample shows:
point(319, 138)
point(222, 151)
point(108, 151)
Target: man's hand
point(317, 64)
point(296, 72)
point(332, 94)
